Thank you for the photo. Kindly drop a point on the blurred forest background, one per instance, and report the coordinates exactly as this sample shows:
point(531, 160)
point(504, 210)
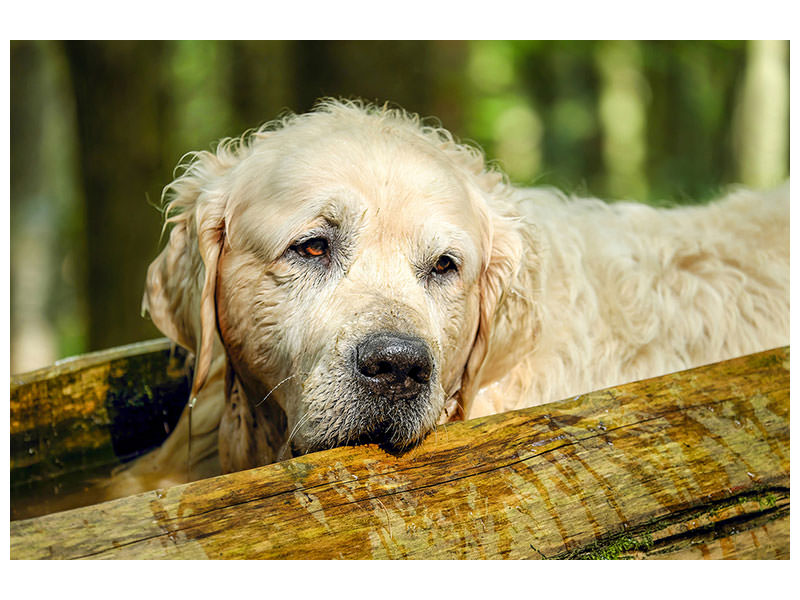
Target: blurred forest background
point(97, 128)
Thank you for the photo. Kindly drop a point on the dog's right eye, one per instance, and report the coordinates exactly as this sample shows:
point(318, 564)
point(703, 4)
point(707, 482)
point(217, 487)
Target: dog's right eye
point(443, 265)
point(312, 248)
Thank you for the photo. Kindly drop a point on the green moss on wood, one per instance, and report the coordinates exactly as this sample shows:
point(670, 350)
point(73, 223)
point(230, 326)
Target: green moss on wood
point(615, 548)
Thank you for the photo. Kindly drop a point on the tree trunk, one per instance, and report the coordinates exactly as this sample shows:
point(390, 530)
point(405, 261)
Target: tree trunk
point(688, 465)
point(120, 101)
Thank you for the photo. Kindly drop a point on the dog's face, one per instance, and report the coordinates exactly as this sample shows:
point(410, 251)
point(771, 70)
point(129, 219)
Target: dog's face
point(349, 265)
point(351, 275)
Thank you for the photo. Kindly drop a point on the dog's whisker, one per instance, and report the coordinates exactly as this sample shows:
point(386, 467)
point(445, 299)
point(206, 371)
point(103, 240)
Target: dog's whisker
point(280, 383)
point(192, 402)
point(288, 444)
point(286, 448)
point(441, 427)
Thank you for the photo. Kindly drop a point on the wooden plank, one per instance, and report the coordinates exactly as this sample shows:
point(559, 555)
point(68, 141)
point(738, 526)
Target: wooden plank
point(690, 465)
point(83, 416)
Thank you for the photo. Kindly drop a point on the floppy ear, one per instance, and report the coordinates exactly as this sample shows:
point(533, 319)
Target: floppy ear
point(181, 282)
point(500, 271)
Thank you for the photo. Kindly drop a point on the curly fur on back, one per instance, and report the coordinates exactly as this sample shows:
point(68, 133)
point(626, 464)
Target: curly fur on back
point(626, 291)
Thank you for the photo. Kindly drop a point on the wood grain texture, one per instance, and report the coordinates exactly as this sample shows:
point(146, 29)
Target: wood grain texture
point(83, 416)
point(689, 465)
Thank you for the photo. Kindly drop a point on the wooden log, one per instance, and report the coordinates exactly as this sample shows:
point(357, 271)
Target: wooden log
point(689, 465)
point(83, 416)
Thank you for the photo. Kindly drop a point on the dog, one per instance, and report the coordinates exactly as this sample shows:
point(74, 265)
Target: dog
point(356, 275)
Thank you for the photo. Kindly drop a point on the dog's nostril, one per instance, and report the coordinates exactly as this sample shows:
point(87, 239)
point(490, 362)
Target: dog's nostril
point(420, 374)
point(393, 364)
point(373, 369)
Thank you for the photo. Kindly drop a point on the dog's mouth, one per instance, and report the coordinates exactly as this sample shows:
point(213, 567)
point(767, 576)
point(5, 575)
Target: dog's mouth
point(394, 424)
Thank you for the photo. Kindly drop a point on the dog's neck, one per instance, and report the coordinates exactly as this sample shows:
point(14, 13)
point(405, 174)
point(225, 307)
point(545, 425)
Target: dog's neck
point(253, 429)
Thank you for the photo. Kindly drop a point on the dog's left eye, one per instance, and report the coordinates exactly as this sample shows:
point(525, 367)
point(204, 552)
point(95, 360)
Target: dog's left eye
point(312, 248)
point(443, 265)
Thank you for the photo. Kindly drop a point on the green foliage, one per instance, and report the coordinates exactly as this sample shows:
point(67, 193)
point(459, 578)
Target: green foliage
point(648, 121)
point(660, 122)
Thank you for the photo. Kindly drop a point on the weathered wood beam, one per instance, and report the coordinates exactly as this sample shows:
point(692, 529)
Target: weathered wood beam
point(689, 465)
point(83, 416)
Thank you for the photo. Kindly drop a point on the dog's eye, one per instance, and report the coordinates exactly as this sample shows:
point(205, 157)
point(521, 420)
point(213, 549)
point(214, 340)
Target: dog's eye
point(312, 248)
point(443, 265)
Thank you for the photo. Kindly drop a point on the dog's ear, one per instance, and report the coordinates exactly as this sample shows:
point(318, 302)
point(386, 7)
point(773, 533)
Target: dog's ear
point(501, 268)
point(181, 282)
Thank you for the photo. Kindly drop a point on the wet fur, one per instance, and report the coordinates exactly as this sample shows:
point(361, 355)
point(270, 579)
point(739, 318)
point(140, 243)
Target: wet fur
point(555, 296)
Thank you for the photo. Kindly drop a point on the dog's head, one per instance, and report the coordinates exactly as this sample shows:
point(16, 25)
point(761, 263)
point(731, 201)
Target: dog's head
point(350, 261)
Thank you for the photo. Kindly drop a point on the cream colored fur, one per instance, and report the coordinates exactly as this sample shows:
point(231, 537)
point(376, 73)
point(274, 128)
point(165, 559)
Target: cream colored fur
point(623, 292)
point(553, 297)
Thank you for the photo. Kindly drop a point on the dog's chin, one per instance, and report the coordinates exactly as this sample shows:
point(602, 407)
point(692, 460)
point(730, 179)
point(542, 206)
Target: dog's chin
point(394, 425)
point(381, 436)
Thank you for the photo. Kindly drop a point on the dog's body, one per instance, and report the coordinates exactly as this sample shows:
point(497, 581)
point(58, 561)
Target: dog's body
point(351, 275)
point(626, 292)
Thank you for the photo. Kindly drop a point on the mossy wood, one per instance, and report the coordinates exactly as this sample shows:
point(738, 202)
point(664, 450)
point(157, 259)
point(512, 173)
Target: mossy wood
point(82, 417)
point(689, 465)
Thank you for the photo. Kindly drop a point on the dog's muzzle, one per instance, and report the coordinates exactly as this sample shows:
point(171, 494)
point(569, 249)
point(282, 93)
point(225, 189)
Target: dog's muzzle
point(393, 366)
point(385, 396)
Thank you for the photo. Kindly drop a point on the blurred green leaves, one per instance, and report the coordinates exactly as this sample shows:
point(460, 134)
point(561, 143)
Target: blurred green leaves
point(97, 127)
point(647, 121)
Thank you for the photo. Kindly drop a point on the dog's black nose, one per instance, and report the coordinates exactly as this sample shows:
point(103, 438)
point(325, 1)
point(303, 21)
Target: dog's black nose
point(394, 365)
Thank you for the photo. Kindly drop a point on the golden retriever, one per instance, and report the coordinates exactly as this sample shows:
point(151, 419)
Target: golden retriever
point(355, 275)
